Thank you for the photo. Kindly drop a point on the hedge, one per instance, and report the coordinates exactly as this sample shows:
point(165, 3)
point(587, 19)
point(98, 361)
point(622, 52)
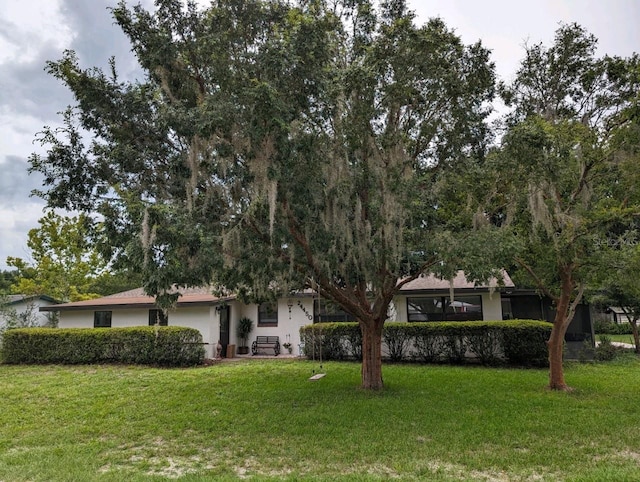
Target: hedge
point(144, 345)
point(602, 327)
point(513, 342)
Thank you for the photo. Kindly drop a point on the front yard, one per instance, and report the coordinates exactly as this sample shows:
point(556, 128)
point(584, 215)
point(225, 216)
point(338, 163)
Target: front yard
point(265, 420)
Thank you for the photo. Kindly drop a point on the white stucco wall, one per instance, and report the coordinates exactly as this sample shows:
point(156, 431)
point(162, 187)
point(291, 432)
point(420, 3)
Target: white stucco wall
point(399, 308)
point(201, 318)
point(290, 322)
point(30, 305)
point(491, 307)
point(76, 319)
point(293, 313)
point(119, 318)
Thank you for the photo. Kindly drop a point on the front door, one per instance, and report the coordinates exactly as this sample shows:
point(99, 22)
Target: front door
point(224, 328)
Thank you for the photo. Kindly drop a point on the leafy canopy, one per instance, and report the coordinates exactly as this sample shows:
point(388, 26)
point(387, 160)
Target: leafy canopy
point(272, 142)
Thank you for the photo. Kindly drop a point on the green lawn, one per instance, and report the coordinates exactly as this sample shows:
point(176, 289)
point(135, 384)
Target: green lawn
point(265, 420)
point(619, 338)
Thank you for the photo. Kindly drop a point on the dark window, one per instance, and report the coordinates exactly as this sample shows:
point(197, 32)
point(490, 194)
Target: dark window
point(507, 312)
point(440, 308)
point(328, 311)
point(157, 317)
point(268, 314)
point(102, 319)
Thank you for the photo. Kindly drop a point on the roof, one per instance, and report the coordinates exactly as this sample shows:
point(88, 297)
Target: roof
point(460, 282)
point(203, 296)
point(137, 298)
point(13, 299)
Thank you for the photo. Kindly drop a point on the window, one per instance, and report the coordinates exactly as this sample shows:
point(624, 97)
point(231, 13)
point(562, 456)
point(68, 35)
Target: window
point(102, 319)
point(424, 309)
point(157, 317)
point(326, 311)
point(440, 308)
point(507, 311)
point(268, 314)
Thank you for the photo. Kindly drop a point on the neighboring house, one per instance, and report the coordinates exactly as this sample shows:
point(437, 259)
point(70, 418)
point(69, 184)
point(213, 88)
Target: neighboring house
point(617, 315)
point(24, 310)
point(424, 299)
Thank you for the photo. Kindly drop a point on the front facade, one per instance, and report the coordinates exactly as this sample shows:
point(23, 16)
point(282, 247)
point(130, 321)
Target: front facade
point(215, 318)
point(425, 299)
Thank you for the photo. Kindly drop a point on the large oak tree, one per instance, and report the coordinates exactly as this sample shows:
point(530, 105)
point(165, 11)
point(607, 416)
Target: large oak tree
point(272, 145)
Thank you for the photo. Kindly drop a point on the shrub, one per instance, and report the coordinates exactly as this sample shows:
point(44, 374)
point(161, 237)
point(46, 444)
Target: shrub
point(397, 340)
point(525, 342)
point(484, 340)
point(354, 337)
point(428, 348)
point(145, 345)
point(605, 350)
point(331, 341)
point(604, 327)
point(516, 342)
point(455, 347)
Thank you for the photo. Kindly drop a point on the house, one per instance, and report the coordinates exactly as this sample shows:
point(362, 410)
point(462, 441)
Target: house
point(24, 310)
point(424, 299)
point(617, 315)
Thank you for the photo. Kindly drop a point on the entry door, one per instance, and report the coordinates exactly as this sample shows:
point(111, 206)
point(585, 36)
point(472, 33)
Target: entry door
point(224, 328)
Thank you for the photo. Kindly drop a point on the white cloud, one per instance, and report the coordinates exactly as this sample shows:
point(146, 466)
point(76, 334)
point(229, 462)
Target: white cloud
point(26, 27)
point(15, 227)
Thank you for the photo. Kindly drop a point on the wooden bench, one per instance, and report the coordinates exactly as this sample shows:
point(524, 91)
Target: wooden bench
point(266, 342)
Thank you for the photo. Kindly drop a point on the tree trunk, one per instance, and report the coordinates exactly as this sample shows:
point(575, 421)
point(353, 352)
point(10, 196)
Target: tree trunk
point(636, 336)
point(563, 317)
point(372, 354)
point(556, 347)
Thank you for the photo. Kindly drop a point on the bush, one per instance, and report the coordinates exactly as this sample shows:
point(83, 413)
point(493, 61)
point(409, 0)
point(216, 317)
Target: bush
point(485, 341)
point(428, 347)
point(516, 342)
point(525, 342)
point(604, 327)
point(145, 345)
point(331, 341)
point(605, 350)
point(397, 340)
point(354, 337)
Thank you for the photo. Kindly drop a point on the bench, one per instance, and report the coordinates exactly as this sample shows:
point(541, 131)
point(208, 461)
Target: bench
point(266, 342)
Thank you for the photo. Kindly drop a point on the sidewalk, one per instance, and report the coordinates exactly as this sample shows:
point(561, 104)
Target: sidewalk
point(620, 344)
point(262, 356)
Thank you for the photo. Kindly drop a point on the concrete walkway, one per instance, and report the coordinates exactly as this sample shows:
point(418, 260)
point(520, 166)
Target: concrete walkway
point(261, 356)
point(620, 344)
point(623, 345)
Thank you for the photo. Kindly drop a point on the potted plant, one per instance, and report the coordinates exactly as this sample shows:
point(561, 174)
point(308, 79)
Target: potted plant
point(245, 325)
point(288, 346)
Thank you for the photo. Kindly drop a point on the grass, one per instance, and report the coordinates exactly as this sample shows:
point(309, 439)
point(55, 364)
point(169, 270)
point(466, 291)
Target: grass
point(264, 420)
point(620, 338)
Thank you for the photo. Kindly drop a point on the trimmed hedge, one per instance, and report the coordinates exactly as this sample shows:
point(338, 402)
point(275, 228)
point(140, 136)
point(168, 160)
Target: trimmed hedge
point(601, 327)
point(514, 342)
point(143, 345)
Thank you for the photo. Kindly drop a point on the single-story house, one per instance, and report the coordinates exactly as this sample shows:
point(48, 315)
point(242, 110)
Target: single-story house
point(617, 315)
point(26, 310)
point(424, 299)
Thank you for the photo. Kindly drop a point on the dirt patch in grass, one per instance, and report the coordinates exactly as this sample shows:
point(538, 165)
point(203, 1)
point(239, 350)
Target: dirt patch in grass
point(159, 457)
point(456, 471)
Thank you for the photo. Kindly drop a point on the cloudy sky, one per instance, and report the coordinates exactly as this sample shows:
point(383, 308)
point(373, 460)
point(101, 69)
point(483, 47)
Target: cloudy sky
point(34, 31)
